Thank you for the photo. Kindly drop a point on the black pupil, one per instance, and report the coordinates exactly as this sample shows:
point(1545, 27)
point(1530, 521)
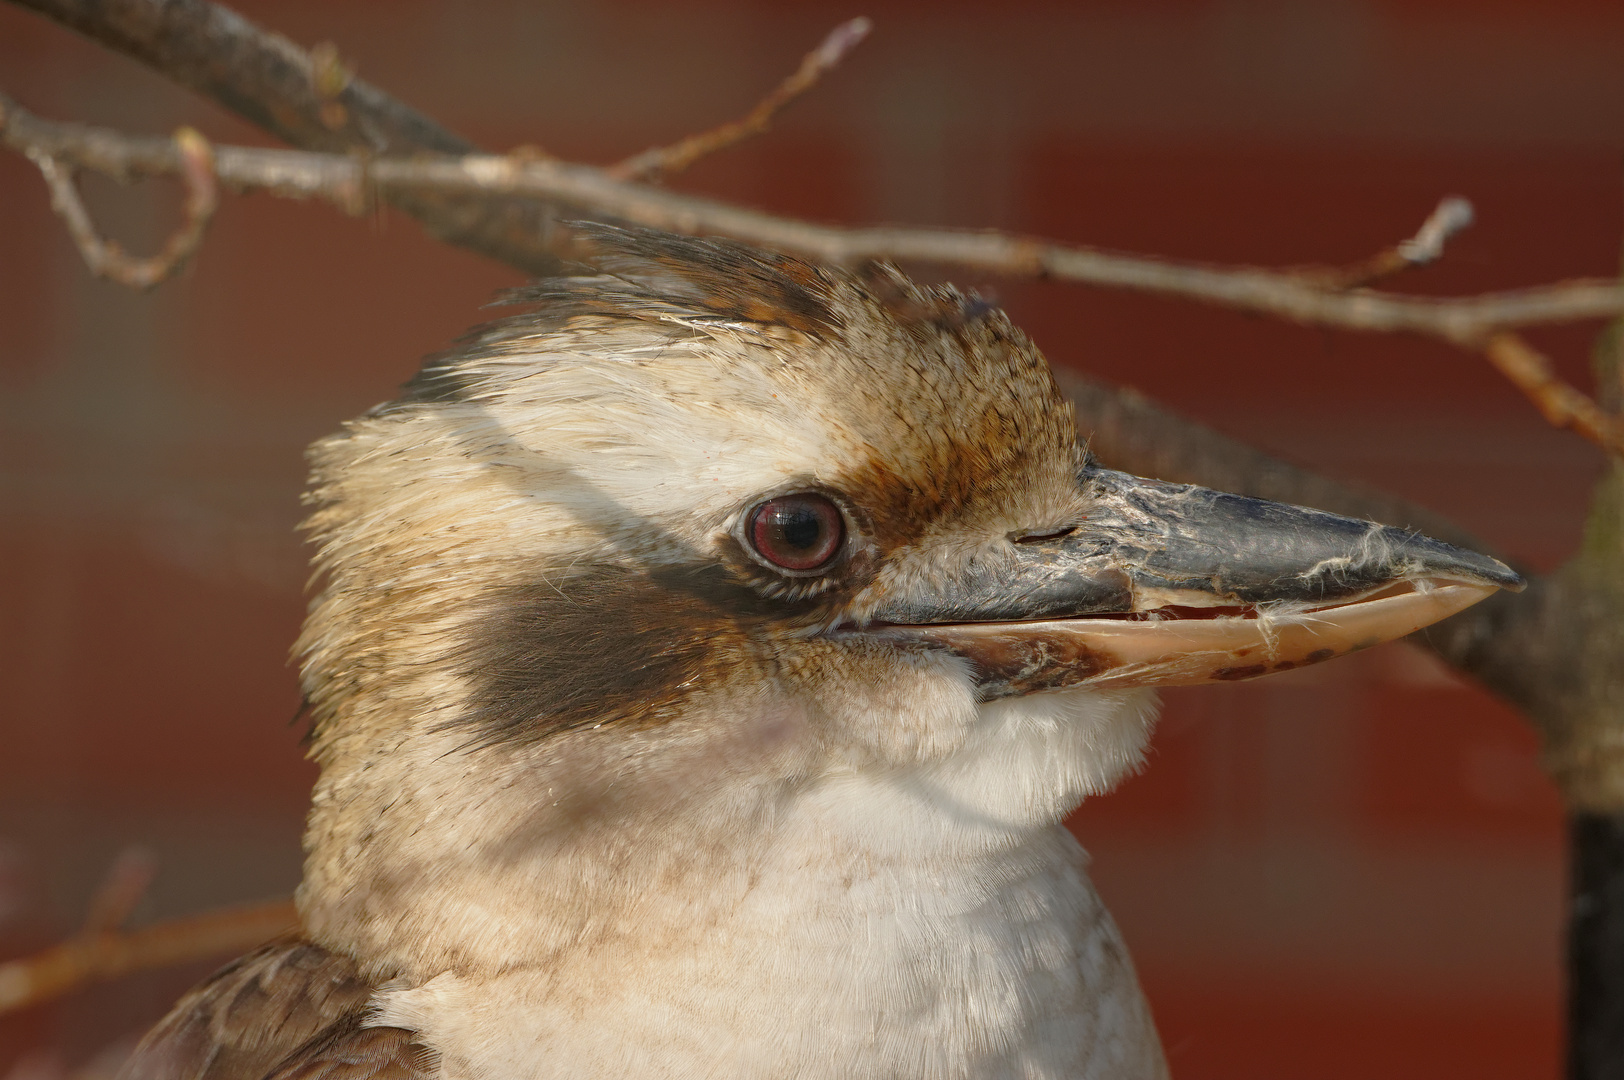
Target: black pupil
point(796, 526)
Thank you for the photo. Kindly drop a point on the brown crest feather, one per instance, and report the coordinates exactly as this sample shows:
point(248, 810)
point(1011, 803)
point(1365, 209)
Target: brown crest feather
point(645, 275)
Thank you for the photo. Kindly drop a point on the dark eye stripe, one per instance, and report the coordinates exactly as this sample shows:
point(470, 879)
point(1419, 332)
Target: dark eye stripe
point(797, 532)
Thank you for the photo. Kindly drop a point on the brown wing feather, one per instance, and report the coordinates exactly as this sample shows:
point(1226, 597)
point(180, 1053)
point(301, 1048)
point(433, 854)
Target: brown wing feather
point(290, 1010)
point(348, 1051)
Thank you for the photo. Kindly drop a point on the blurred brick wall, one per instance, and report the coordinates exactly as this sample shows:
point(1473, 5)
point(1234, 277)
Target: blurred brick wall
point(1347, 872)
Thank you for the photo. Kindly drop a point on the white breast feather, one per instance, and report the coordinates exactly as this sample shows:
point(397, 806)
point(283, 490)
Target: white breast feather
point(930, 921)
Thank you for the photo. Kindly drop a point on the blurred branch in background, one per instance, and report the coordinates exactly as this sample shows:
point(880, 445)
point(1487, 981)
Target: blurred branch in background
point(103, 949)
point(1560, 402)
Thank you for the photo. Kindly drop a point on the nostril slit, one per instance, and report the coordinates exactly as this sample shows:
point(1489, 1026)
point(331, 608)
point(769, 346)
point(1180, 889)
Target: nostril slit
point(1040, 537)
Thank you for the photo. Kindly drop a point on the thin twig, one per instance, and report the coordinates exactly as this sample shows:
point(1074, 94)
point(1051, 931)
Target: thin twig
point(302, 174)
point(105, 257)
point(97, 957)
point(126, 882)
point(665, 160)
point(1560, 402)
point(1450, 216)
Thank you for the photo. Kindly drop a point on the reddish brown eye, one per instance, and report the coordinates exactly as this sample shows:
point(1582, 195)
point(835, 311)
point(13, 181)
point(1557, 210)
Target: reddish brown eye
point(797, 532)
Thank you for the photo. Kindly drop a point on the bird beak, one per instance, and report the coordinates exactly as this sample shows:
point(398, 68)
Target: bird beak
point(1170, 585)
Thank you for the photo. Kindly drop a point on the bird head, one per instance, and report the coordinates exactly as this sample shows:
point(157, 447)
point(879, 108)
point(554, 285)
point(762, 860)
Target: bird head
point(709, 541)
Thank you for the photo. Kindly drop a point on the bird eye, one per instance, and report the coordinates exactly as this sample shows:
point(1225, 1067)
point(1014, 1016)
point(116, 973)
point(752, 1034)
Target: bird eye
point(796, 532)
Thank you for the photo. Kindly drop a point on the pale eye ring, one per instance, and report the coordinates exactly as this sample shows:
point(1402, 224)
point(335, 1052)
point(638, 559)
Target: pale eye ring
point(800, 533)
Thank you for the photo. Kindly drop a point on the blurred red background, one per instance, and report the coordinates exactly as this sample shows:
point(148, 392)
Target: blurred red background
point(1346, 872)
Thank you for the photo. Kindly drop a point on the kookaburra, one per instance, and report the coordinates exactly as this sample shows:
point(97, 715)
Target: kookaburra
point(703, 664)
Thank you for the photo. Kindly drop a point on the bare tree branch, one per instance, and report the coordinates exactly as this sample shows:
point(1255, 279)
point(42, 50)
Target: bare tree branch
point(665, 160)
point(108, 954)
point(309, 100)
point(260, 75)
point(344, 180)
point(312, 101)
point(1314, 296)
